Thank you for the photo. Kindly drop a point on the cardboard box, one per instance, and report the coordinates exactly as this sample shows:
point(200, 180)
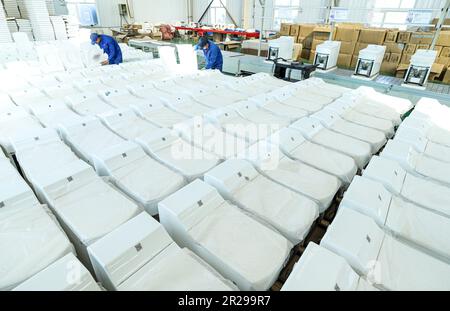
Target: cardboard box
point(354, 61)
point(311, 56)
point(446, 78)
point(305, 53)
point(434, 21)
point(347, 47)
point(294, 30)
point(322, 33)
point(297, 53)
point(391, 36)
point(444, 38)
point(445, 52)
point(344, 60)
point(315, 43)
point(372, 36)
point(403, 36)
point(401, 71)
point(422, 37)
point(388, 68)
point(443, 60)
point(438, 49)
point(346, 34)
point(437, 70)
point(393, 47)
point(306, 42)
point(395, 58)
point(406, 59)
point(359, 46)
point(386, 57)
point(410, 49)
point(423, 47)
point(285, 29)
point(306, 30)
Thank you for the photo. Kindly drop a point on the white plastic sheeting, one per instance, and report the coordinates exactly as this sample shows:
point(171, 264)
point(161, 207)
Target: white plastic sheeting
point(409, 221)
point(32, 240)
point(313, 130)
point(237, 246)
point(250, 111)
point(423, 192)
point(14, 191)
point(302, 178)
point(415, 162)
point(321, 270)
point(159, 114)
point(333, 121)
point(65, 274)
point(87, 104)
point(150, 260)
point(293, 144)
point(178, 154)
point(89, 137)
point(289, 212)
point(136, 174)
point(389, 263)
point(126, 124)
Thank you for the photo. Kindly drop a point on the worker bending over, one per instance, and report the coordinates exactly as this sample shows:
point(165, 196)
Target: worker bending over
point(212, 53)
point(110, 46)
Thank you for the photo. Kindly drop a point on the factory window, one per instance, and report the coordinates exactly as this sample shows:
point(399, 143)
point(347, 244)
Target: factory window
point(218, 12)
point(391, 13)
point(285, 11)
point(84, 10)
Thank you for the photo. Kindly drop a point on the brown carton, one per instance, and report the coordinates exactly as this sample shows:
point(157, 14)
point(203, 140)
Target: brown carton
point(346, 34)
point(406, 59)
point(401, 70)
point(420, 37)
point(410, 49)
point(437, 70)
point(344, 60)
point(294, 30)
point(315, 43)
point(445, 52)
point(395, 58)
point(393, 47)
point(359, 46)
point(435, 21)
point(372, 36)
point(347, 47)
point(423, 46)
point(403, 36)
point(311, 56)
point(443, 60)
point(306, 30)
point(305, 53)
point(391, 36)
point(446, 78)
point(322, 33)
point(354, 61)
point(438, 48)
point(297, 53)
point(306, 41)
point(386, 57)
point(444, 38)
point(285, 29)
point(388, 68)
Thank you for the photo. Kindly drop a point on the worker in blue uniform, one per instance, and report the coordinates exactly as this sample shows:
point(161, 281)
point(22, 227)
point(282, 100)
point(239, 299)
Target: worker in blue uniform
point(110, 46)
point(212, 53)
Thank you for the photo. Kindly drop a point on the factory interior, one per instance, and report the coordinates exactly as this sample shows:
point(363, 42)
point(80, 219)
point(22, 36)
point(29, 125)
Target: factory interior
point(225, 146)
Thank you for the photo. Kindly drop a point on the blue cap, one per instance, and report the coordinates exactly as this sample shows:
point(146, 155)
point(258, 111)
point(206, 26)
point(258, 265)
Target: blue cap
point(94, 37)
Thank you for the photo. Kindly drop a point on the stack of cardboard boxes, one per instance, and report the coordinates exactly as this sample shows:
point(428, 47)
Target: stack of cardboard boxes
point(348, 35)
point(400, 46)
